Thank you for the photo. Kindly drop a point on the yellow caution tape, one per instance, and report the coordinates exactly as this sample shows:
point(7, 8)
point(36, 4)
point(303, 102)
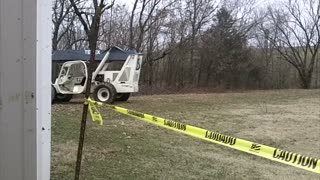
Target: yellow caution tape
point(95, 114)
point(282, 156)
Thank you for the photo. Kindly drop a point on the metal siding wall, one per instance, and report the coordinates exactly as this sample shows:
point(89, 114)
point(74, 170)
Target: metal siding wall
point(11, 68)
point(25, 109)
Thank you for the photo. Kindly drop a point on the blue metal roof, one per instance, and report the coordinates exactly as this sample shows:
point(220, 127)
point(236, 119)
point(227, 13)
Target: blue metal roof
point(116, 54)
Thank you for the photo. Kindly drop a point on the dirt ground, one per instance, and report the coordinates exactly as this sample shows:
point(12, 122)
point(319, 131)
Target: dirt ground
point(125, 148)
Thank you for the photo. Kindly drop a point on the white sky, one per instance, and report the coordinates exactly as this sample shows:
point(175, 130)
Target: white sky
point(259, 2)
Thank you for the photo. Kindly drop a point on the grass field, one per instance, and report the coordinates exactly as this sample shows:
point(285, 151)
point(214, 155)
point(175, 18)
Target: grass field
point(125, 148)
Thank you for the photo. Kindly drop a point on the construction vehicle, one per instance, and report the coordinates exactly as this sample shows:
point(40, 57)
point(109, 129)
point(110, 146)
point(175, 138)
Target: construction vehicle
point(111, 81)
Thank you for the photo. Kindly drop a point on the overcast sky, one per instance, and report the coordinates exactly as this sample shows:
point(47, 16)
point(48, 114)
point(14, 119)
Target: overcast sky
point(260, 3)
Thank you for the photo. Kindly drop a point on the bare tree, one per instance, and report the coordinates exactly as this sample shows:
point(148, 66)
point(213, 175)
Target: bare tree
point(131, 30)
point(75, 38)
point(175, 34)
point(265, 50)
point(199, 13)
point(62, 20)
point(115, 27)
point(244, 13)
point(146, 23)
point(297, 38)
point(90, 19)
point(154, 50)
point(149, 13)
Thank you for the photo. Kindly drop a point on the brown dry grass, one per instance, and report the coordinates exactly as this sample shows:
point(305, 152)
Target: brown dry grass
point(125, 148)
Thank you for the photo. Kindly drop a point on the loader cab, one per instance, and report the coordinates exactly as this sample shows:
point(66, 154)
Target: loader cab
point(72, 78)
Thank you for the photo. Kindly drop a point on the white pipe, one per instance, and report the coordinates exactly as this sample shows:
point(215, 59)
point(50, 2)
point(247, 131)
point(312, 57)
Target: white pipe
point(103, 61)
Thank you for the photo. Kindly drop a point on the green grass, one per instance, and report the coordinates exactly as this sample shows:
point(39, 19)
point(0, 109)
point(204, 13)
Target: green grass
point(125, 148)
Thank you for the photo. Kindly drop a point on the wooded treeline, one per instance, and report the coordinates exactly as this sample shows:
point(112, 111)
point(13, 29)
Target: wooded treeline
point(191, 44)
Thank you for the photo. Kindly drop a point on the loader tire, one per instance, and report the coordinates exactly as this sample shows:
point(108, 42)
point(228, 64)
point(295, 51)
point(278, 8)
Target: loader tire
point(63, 97)
point(105, 93)
point(53, 94)
point(123, 96)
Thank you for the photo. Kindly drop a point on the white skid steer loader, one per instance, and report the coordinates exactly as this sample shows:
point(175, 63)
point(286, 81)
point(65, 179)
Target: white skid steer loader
point(108, 85)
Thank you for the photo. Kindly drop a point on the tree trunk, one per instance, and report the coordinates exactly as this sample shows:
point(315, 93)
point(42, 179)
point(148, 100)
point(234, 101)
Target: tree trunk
point(191, 66)
point(150, 78)
point(55, 40)
point(305, 78)
point(131, 35)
